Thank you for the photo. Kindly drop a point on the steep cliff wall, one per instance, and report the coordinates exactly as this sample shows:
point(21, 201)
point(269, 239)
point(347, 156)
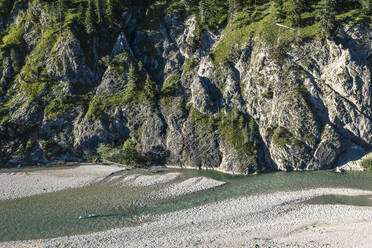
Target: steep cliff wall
point(243, 99)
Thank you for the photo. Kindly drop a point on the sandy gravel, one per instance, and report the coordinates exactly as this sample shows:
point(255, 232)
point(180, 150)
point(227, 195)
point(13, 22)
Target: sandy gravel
point(20, 184)
point(268, 220)
point(173, 188)
point(138, 180)
point(188, 186)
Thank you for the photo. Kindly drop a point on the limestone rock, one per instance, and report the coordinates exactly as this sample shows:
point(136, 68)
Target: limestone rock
point(68, 63)
point(205, 96)
point(121, 45)
point(299, 112)
point(200, 147)
point(329, 148)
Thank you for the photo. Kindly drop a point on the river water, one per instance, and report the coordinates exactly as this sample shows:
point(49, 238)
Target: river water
point(57, 213)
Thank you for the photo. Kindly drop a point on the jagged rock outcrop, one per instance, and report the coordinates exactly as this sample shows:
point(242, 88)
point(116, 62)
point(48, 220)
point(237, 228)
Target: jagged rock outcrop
point(68, 63)
point(155, 86)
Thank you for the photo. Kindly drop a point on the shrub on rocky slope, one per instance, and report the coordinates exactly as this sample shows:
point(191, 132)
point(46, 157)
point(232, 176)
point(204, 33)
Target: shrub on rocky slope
point(240, 86)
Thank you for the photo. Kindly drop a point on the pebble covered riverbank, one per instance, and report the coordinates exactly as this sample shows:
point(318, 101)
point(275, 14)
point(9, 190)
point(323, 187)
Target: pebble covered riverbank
point(269, 220)
point(21, 184)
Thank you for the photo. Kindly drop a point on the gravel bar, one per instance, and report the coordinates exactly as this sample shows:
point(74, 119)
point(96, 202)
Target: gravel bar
point(22, 184)
point(264, 220)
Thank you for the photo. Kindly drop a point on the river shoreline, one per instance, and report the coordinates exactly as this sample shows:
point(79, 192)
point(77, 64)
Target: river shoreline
point(19, 184)
point(267, 219)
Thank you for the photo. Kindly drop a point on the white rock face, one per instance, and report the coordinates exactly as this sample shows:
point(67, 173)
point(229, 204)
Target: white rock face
point(294, 108)
point(68, 63)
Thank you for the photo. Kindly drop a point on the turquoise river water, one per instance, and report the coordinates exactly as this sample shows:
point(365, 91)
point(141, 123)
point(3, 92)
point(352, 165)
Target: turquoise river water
point(56, 214)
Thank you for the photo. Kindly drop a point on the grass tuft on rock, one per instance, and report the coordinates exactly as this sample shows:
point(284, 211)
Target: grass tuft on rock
point(126, 155)
point(367, 163)
point(282, 136)
point(169, 89)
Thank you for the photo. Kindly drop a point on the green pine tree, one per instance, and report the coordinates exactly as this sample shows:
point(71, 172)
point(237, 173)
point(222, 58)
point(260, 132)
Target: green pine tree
point(109, 10)
point(150, 90)
point(98, 8)
point(250, 3)
point(234, 7)
point(191, 4)
point(60, 14)
point(89, 22)
point(327, 19)
point(5, 7)
point(202, 10)
point(296, 7)
point(366, 6)
point(279, 11)
point(132, 74)
point(129, 154)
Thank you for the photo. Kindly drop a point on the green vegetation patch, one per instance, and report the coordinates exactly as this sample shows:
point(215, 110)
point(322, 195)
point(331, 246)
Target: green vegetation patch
point(127, 154)
point(5, 6)
point(299, 22)
point(157, 10)
point(14, 36)
point(367, 163)
point(119, 63)
point(52, 150)
point(33, 76)
point(4, 113)
point(170, 87)
point(139, 89)
point(212, 14)
point(73, 16)
point(238, 130)
point(239, 30)
point(356, 15)
point(64, 103)
point(281, 136)
point(34, 89)
point(190, 63)
point(205, 120)
point(135, 93)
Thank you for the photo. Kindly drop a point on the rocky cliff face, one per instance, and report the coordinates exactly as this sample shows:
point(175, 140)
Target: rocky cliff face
point(251, 113)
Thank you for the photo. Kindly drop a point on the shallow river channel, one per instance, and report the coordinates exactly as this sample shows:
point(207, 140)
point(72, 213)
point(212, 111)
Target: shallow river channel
point(57, 213)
